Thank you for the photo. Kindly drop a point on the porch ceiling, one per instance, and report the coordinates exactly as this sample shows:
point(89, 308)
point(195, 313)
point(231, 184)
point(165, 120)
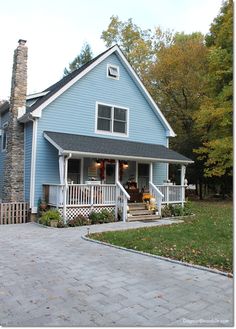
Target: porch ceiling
point(112, 148)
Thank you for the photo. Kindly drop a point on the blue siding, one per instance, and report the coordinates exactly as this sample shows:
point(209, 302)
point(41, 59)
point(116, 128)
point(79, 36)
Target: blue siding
point(159, 173)
point(28, 150)
point(4, 119)
point(74, 112)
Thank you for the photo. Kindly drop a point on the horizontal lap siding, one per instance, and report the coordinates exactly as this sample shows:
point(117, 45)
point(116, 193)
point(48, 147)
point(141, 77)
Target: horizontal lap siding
point(159, 173)
point(74, 112)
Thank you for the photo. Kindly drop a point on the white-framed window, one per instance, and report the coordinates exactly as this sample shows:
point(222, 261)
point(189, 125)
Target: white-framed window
point(4, 136)
point(113, 71)
point(111, 119)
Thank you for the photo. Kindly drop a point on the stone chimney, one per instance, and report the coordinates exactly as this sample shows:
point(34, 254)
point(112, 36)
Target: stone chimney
point(13, 180)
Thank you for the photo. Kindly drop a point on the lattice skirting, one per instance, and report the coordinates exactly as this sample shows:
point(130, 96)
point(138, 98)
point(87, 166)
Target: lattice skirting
point(72, 212)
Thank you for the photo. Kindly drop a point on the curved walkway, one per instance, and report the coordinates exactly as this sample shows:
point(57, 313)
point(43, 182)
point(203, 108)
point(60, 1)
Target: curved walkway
point(53, 277)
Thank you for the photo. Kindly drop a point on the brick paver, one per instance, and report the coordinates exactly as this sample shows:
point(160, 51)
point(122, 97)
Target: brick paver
point(53, 277)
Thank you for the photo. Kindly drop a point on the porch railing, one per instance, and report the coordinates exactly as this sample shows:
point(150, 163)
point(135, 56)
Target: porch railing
point(155, 191)
point(122, 198)
point(83, 194)
point(172, 193)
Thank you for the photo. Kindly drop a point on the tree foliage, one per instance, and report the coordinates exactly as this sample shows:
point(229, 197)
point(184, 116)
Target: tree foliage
point(190, 77)
point(84, 57)
point(215, 117)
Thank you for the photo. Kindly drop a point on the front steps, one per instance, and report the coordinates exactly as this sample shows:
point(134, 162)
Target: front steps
point(138, 211)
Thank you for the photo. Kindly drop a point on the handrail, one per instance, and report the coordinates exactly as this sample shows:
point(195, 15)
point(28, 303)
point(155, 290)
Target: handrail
point(156, 190)
point(159, 196)
point(123, 190)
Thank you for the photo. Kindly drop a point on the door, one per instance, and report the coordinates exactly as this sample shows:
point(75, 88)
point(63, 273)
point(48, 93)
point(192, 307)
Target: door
point(74, 171)
point(110, 170)
point(143, 176)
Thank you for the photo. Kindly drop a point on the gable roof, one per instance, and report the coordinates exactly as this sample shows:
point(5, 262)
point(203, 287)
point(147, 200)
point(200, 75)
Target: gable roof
point(62, 85)
point(112, 148)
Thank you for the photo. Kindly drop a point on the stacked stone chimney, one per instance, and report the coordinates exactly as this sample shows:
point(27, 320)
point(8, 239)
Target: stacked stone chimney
point(13, 181)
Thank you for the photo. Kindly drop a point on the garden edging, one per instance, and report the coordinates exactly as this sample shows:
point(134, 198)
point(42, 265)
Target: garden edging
point(174, 261)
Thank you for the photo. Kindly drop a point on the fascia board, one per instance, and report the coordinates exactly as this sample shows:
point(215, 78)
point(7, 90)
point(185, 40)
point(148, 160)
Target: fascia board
point(120, 156)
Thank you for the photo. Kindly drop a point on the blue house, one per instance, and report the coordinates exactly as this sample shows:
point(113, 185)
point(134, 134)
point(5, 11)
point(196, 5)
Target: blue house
point(93, 140)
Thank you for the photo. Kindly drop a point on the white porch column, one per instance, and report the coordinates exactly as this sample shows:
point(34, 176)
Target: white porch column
point(82, 171)
point(117, 189)
point(117, 171)
point(65, 186)
point(151, 172)
point(183, 171)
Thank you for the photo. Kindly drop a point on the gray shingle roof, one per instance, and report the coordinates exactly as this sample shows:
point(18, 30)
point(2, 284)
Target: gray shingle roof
point(114, 148)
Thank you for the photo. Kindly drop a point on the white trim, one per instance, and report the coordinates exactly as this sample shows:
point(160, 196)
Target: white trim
point(53, 143)
point(111, 133)
point(33, 163)
point(120, 156)
point(37, 111)
point(81, 170)
point(37, 95)
point(116, 67)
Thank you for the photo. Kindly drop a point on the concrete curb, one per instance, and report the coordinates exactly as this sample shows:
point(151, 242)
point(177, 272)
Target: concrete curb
point(199, 267)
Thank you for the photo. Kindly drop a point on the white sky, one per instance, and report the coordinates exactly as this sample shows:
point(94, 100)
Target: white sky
point(56, 30)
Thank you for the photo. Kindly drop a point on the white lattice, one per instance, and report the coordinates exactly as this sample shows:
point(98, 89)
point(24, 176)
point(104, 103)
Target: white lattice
point(72, 212)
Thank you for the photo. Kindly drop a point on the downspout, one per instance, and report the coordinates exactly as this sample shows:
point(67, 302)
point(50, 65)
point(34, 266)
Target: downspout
point(33, 164)
point(65, 185)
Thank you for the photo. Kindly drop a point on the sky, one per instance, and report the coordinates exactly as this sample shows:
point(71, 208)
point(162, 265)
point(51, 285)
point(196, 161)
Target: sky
point(56, 30)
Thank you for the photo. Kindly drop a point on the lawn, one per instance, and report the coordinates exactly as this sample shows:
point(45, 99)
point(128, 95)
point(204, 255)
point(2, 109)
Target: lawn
point(206, 240)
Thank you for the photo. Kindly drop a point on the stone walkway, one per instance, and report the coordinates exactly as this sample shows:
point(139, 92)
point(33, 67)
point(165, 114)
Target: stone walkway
point(53, 277)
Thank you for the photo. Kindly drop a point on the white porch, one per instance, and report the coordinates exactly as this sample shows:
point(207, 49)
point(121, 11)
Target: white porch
point(97, 173)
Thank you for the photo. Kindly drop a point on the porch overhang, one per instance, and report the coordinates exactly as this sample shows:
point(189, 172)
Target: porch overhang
point(88, 146)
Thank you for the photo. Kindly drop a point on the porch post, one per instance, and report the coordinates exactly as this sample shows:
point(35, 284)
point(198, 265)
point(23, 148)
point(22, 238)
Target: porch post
point(82, 171)
point(117, 171)
point(183, 170)
point(151, 172)
point(65, 186)
point(117, 189)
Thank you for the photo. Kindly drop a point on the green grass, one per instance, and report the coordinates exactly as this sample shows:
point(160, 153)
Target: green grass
point(206, 240)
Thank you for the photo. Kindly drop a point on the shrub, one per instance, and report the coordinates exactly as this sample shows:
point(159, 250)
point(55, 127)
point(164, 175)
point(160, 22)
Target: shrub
point(177, 210)
point(102, 217)
point(78, 221)
point(49, 215)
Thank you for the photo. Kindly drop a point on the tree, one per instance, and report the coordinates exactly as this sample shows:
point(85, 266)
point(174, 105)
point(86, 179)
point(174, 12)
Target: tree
point(84, 57)
point(215, 117)
point(139, 46)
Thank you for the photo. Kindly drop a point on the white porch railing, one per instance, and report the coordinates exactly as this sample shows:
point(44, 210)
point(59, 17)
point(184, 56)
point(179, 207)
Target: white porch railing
point(55, 194)
point(122, 198)
point(83, 194)
point(157, 194)
point(172, 193)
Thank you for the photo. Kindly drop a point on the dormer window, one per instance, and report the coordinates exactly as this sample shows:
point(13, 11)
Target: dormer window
point(113, 71)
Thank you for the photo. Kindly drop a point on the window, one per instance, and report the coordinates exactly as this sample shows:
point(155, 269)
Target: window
point(4, 137)
point(113, 71)
point(112, 119)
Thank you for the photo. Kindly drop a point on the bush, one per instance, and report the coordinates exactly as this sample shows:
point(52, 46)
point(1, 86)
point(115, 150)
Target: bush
point(177, 210)
point(78, 221)
point(102, 217)
point(49, 215)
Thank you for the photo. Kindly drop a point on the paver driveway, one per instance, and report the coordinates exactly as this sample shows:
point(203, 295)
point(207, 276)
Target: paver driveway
point(52, 277)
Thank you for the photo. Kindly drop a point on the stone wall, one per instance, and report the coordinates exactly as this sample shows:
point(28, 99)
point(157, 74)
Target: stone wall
point(13, 182)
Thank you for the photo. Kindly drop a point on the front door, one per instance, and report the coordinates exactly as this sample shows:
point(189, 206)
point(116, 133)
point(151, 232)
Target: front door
point(110, 170)
point(143, 176)
point(74, 171)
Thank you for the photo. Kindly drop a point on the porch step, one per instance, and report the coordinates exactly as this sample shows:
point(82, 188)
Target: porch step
point(140, 212)
point(143, 217)
point(136, 206)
